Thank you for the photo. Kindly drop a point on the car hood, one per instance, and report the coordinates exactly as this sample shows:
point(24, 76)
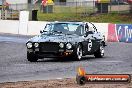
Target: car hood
point(57, 38)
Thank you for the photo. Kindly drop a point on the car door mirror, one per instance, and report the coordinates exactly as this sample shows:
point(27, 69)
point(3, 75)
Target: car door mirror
point(88, 33)
point(94, 37)
point(85, 35)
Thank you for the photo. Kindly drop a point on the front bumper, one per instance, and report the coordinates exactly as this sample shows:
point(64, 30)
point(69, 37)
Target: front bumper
point(60, 53)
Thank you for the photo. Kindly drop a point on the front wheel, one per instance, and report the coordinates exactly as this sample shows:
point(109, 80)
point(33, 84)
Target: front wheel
point(31, 57)
point(78, 53)
point(100, 52)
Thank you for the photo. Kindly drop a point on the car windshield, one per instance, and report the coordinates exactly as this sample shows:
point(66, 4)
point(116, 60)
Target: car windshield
point(65, 28)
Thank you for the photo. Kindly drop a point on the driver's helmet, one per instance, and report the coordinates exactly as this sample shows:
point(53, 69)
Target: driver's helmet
point(86, 27)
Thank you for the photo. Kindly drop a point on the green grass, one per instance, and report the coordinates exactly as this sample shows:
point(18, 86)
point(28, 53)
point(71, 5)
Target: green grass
point(69, 9)
point(105, 18)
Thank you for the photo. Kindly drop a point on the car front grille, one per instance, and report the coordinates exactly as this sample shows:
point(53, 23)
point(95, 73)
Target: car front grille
point(49, 47)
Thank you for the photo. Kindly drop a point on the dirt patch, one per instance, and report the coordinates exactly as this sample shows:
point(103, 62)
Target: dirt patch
point(59, 83)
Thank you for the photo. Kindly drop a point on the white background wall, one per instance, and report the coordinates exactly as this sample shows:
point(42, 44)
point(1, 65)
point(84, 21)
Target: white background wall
point(8, 26)
point(34, 27)
point(15, 27)
point(103, 28)
point(17, 1)
point(17, 4)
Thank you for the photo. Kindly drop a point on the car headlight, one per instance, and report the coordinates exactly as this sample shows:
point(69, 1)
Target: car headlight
point(29, 45)
point(68, 45)
point(36, 44)
point(61, 45)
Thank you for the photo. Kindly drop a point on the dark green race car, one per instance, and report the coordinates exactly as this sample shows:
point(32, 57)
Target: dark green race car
point(66, 39)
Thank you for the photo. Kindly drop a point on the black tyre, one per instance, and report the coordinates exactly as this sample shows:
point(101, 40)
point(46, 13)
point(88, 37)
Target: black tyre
point(100, 52)
point(31, 57)
point(79, 53)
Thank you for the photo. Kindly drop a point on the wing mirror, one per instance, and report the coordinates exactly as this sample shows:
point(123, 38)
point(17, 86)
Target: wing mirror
point(94, 37)
point(86, 34)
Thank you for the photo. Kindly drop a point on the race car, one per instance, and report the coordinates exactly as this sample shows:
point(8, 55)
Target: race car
point(71, 40)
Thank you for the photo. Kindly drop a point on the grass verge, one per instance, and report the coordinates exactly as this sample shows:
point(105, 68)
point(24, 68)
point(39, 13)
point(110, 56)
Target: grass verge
point(105, 18)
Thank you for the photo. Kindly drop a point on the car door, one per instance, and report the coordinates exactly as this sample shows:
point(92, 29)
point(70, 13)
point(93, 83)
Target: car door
point(95, 38)
point(88, 42)
point(91, 42)
point(95, 42)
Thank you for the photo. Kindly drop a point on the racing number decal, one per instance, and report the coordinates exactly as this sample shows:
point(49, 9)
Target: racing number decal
point(89, 45)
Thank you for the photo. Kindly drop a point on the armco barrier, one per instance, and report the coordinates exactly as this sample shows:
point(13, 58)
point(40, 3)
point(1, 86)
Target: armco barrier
point(124, 32)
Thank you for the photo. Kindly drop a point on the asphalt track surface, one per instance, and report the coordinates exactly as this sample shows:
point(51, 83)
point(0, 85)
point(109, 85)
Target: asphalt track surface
point(15, 67)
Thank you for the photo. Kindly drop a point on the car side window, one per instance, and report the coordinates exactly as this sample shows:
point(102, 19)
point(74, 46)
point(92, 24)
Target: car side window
point(48, 27)
point(86, 27)
point(91, 29)
point(80, 30)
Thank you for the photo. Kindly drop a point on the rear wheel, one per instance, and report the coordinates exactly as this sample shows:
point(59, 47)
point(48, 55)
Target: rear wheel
point(100, 52)
point(31, 57)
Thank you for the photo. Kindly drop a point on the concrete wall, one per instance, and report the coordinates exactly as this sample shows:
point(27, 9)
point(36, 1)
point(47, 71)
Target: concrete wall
point(17, 1)
point(7, 26)
point(112, 32)
point(103, 28)
point(15, 27)
point(34, 27)
point(17, 4)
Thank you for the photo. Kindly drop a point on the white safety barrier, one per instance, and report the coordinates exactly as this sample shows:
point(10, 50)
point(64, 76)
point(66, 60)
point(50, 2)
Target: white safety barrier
point(9, 26)
point(15, 27)
point(34, 27)
point(0, 14)
point(23, 22)
point(102, 28)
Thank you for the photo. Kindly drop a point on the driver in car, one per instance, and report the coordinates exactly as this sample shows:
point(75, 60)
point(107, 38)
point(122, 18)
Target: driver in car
point(86, 29)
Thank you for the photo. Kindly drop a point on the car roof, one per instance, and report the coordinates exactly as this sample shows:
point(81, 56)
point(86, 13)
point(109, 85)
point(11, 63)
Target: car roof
point(67, 22)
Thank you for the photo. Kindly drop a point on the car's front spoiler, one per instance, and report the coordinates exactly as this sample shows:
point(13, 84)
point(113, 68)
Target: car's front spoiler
point(52, 54)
